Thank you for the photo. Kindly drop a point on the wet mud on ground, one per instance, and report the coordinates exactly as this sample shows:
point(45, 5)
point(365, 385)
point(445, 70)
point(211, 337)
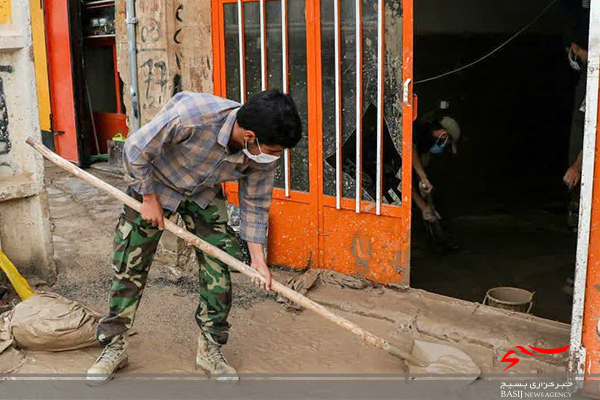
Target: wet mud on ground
point(265, 338)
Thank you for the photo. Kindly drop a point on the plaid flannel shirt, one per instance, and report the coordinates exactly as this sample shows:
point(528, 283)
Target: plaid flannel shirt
point(183, 153)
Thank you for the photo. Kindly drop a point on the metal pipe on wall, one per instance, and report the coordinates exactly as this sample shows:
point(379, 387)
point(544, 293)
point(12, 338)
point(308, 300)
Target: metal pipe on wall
point(131, 22)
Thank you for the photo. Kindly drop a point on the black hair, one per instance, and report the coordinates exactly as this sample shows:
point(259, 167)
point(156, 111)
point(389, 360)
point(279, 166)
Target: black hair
point(273, 117)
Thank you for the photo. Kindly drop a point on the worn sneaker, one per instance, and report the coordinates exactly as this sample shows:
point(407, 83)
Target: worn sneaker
point(112, 358)
point(211, 360)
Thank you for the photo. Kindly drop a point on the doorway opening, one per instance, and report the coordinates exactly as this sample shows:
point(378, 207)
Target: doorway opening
point(501, 197)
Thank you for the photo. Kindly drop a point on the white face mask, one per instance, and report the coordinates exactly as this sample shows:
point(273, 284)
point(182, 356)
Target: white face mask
point(261, 158)
point(573, 61)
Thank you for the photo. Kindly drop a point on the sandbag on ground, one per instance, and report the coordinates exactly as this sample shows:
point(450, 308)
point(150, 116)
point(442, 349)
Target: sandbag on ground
point(50, 322)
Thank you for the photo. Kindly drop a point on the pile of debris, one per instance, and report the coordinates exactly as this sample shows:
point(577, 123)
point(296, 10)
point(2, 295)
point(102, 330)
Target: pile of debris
point(311, 278)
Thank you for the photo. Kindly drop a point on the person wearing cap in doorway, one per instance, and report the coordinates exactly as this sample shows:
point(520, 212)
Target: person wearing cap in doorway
point(577, 14)
point(433, 134)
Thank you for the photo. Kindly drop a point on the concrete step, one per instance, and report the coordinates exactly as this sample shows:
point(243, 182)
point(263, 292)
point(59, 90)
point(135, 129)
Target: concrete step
point(485, 333)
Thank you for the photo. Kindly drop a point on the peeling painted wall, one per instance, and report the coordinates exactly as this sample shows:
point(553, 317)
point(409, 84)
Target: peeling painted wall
point(174, 51)
point(174, 44)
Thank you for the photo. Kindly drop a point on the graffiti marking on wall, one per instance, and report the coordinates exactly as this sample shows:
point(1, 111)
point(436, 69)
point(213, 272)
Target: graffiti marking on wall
point(362, 251)
point(396, 263)
point(149, 71)
point(150, 30)
point(177, 39)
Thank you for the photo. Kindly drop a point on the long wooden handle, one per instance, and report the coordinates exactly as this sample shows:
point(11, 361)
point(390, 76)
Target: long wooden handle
point(224, 257)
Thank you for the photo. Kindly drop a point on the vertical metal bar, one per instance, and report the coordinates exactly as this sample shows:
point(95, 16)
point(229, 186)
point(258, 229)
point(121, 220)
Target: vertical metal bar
point(286, 85)
point(242, 51)
point(284, 45)
point(315, 121)
point(380, 83)
point(407, 146)
point(359, 102)
point(263, 46)
point(131, 21)
point(286, 170)
point(338, 106)
point(577, 356)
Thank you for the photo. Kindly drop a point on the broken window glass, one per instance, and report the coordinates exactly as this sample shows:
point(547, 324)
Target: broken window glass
point(252, 48)
point(392, 140)
point(297, 72)
point(298, 90)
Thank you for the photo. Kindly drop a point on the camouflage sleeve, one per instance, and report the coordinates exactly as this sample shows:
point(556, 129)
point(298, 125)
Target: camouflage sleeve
point(255, 193)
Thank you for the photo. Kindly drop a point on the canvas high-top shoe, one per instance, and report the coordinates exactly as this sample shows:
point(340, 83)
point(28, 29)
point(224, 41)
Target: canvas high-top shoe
point(112, 358)
point(211, 360)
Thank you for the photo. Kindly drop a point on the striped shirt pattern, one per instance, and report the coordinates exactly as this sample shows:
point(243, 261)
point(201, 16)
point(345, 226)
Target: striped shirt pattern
point(183, 153)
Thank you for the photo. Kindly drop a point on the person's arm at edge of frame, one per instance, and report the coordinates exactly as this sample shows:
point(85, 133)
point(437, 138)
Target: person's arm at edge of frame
point(573, 174)
point(255, 194)
point(426, 186)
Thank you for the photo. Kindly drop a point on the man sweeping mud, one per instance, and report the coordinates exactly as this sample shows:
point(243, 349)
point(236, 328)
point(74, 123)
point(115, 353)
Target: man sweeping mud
point(176, 164)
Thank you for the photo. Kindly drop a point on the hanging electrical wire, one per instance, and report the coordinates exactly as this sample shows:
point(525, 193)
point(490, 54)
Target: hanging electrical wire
point(513, 37)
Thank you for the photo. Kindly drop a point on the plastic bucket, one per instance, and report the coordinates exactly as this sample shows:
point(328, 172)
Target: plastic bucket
point(509, 298)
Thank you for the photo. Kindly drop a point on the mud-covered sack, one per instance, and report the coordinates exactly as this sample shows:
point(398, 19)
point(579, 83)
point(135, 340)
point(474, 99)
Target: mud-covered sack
point(49, 322)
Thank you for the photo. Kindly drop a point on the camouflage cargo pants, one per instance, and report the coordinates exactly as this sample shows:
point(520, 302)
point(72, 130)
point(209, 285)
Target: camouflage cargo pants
point(135, 244)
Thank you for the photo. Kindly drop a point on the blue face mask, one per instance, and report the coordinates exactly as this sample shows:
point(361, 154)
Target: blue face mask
point(438, 148)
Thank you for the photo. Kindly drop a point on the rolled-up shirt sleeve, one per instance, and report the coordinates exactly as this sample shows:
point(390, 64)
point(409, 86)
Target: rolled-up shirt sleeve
point(144, 145)
point(255, 194)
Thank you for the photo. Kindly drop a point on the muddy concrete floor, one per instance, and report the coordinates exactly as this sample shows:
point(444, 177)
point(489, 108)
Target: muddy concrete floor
point(530, 248)
point(264, 337)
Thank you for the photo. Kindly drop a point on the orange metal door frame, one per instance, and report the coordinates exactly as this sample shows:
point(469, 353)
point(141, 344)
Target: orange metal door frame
point(327, 204)
point(315, 198)
point(60, 71)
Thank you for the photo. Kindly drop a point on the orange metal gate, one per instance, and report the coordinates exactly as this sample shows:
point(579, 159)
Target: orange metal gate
point(342, 199)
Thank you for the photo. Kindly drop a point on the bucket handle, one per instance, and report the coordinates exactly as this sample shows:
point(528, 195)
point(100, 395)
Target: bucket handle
point(487, 296)
point(485, 299)
point(530, 303)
